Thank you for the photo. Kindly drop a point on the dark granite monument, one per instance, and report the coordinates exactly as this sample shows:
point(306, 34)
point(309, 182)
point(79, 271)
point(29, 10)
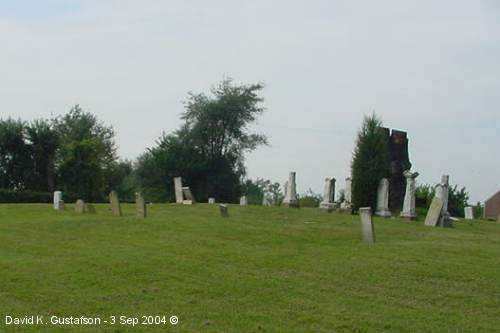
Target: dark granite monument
point(398, 163)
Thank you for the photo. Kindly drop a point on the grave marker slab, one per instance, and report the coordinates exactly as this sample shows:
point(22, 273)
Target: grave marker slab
point(80, 206)
point(115, 204)
point(178, 189)
point(57, 199)
point(367, 229)
point(243, 201)
point(469, 213)
point(434, 212)
point(140, 206)
point(223, 210)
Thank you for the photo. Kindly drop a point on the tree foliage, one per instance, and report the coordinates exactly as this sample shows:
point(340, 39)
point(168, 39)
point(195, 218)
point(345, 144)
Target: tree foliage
point(369, 163)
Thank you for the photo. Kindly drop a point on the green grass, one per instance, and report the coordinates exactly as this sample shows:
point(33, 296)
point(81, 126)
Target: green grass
point(262, 270)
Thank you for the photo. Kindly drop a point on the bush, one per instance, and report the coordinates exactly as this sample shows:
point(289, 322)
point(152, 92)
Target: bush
point(11, 196)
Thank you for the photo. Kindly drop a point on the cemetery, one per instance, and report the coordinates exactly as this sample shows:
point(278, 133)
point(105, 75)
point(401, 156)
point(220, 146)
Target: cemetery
point(354, 189)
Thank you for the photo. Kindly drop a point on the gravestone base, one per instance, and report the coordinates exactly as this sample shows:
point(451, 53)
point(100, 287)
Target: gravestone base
point(327, 206)
point(187, 202)
point(408, 216)
point(383, 213)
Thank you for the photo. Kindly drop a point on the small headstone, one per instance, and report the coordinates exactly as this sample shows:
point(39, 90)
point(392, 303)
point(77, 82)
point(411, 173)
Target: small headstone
point(188, 196)
point(178, 189)
point(89, 208)
point(80, 206)
point(290, 199)
point(57, 200)
point(383, 199)
point(469, 213)
point(115, 204)
point(211, 201)
point(187, 202)
point(140, 206)
point(243, 201)
point(367, 229)
point(61, 205)
point(434, 212)
point(223, 210)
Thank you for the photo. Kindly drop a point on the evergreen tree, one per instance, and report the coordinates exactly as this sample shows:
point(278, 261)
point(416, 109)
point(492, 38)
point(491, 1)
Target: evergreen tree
point(369, 163)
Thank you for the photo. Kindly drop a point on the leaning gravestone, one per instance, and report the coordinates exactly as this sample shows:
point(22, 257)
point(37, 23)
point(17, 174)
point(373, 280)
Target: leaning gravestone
point(186, 191)
point(469, 213)
point(434, 212)
point(115, 204)
point(368, 232)
point(223, 210)
point(243, 201)
point(211, 201)
point(140, 206)
point(57, 200)
point(383, 198)
point(80, 206)
point(178, 189)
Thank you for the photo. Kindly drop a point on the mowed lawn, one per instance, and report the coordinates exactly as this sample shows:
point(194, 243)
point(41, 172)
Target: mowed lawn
point(264, 269)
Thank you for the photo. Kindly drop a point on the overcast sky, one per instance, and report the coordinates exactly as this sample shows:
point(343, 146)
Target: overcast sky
point(428, 67)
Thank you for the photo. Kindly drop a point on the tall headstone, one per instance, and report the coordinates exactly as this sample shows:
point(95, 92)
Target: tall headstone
point(80, 206)
point(328, 194)
point(346, 206)
point(409, 210)
point(211, 201)
point(243, 201)
point(434, 212)
point(367, 230)
point(290, 199)
point(140, 206)
point(115, 203)
point(383, 198)
point(223, 210)
point(178, 189)
point(469, 213)
point(441, 191)
point(189, 198)
point(57, 200)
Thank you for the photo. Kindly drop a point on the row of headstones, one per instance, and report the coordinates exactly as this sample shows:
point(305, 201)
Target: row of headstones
point(84, 207)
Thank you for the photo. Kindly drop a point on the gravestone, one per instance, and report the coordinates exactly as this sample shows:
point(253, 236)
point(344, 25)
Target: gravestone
point(409, 210)
point(80, 206)
point(367, 230)
point(61, 205)
point(115, 203)
point(469, 213)
point(290, 199)
point(223, 210)
point(57, 200)
point(243, 201)
point(434, 212)
point(211, 201)
point(398, 162)
point(189, 198)
point(89, 208)
point(140, 206)
point(346, 205)
point(383, 198)
point(328, 195)
point(178, 189)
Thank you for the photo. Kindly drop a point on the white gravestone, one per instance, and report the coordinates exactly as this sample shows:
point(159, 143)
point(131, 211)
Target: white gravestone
point(328, 194)
point(291, 192)
point(441, 191)
point(243, 201)
point(383, 199)
point(211, 201)
point(57, 200)
point(469, 213)
point(178, 189)
point(409, 210)
point(367, 230)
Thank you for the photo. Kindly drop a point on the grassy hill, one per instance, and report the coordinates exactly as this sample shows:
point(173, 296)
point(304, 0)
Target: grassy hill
point(265, 269)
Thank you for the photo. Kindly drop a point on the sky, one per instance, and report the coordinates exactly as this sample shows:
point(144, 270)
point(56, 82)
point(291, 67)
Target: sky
point(427, 67)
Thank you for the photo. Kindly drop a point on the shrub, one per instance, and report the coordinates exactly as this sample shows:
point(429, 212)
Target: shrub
point(11, 196)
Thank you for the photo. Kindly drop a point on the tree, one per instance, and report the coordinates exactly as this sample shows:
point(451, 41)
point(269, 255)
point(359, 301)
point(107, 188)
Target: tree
point(87, 152)
point(457, 201)
point(44, 142)
point(208, 150)
point(14, 155)
point(255, 190)
point(369, 163)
